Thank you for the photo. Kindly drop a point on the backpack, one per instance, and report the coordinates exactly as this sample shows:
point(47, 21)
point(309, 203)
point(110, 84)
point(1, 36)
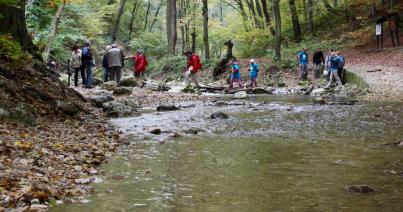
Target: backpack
point(86, 54)
point(198, 64)
point(303, 56)
point(341, 62)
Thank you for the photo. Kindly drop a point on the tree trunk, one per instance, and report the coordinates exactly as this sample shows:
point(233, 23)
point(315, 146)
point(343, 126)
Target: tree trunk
point(277, 18)
point(205, 30)
point(310, 17)
point(334, 3)
point(251, 7)
point(117, 22)
point(295, 21)
point(266, 12)
point(171, 26)
point(259, 12)
point(223, 65)
point(147, 14)
point(135, 6)
point(156, 15)
point(305, 10)
point(55, 24)
point(193, 41)
point(13, 23)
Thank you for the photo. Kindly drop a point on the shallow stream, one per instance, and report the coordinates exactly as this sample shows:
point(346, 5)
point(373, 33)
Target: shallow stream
point(273, 154)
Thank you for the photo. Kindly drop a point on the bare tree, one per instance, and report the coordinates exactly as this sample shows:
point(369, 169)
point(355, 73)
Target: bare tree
point(277, 19)
point(295, 21)
point(205, 30)
point(53, 31)
point(117, 21)
point(171, 26)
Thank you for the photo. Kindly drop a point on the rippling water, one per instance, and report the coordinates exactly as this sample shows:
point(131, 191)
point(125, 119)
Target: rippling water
point(272, 154)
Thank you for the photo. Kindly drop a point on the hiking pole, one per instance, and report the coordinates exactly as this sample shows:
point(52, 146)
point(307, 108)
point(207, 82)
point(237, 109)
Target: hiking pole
point(68, 72)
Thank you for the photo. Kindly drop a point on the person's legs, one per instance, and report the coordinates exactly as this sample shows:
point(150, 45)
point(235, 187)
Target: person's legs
point(194, 78)
point(83, 75)
point(106, 74)
point(112, 73)
point(118, 74)
point(332, 73)
point(336, 76)
point(231, 82)
point(187, 76)
point(89, 77)
point(76, 70)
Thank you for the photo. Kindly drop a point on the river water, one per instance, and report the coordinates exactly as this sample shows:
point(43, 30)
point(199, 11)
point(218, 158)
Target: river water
point(273, 154)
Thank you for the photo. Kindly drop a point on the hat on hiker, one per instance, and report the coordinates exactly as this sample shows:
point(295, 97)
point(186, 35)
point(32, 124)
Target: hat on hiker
point(252, 61)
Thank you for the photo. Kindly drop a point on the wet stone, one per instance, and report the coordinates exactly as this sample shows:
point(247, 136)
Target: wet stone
point(360, 189)
point(167, 108)
point(219, 115)
point(155, 131)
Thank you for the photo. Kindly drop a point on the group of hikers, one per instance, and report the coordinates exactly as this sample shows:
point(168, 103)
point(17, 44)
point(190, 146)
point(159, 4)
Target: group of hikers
point(331, 67)
point(82, 61)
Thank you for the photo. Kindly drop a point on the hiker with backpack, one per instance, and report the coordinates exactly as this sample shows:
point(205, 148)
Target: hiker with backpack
point(253, 72)
point(193, 66)
point(105, 64)
point(87, 62)
point(140, 64)
point(302, 59)
point(335, 61)
point(340, 71)
point(76, 65)
point(115, 62)
point(318, 60)
point(235, 74)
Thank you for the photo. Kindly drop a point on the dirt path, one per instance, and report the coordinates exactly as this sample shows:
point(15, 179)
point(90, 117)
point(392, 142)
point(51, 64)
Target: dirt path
point(382, 70)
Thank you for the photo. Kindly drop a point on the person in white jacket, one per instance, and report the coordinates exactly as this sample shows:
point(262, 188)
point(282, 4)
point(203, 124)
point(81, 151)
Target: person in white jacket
point(76, 65)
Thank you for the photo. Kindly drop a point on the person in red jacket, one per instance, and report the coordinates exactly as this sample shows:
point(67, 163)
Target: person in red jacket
point(193, 66)
point(140, 64)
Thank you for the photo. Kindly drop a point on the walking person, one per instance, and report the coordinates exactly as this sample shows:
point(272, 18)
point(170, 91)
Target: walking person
point(115, 62)
point(328, 65)
point(140, 65)
point(193, 66)
point(105, 64)
point(318, 60)
point(335, 60)
point(303, 62)
point(87, 62)
point(76, 65)
point(253, 72)
point(235, 75)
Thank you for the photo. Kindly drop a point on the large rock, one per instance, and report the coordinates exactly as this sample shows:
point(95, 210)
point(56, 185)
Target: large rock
point(177, 89)
point(120, 91)
point(109, 86)
point(240, 95)
point(118, 109)
point(318, 92)
point(21, 113)
point(155, 85)
point(128, 82)
point(97, 82)
point(167, 108)
point(100, 99)
point(67, 108)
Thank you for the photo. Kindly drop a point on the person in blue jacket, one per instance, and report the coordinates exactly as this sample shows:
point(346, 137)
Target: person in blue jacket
point(235, 75)
point(335, 61)
point(253, 72)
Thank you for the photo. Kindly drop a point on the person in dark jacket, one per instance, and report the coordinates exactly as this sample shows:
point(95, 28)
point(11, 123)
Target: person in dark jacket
point(105, 64)
point(87, 62)
point(318, 60)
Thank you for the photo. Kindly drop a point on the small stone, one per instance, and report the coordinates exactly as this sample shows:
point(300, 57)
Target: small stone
point(82, 181)
point(109, 190)
point(84, 201)
point(155, 131)
point(59, 202)
point(139, 205)
point(177, 135)
point(401, 144)
point(219, 115)
point(78, 168)
point(128, 82)
point(38, 208)
point(148, 171)
point(35, 201)
point(109, 86)
point(67, 108)
point(361, 189)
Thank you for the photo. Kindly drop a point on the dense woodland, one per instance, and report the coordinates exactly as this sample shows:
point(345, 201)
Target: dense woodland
point(165, 28)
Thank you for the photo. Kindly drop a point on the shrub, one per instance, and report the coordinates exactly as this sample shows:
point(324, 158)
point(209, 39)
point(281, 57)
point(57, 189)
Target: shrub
point(10, 50)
